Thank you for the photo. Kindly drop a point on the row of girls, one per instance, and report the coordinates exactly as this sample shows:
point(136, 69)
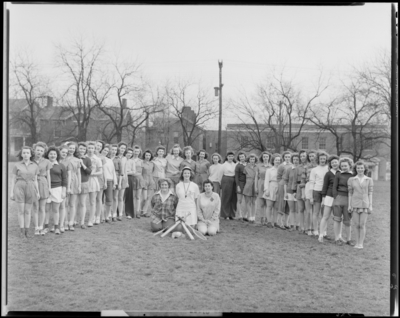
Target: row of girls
point(299, 192)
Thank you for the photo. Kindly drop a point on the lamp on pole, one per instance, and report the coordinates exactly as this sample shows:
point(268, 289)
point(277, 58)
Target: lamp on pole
point(219, 90)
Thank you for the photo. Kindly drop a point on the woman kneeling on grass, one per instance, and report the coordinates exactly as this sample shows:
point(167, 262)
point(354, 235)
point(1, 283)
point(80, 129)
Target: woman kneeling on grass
point(163, 206)
point(58, 190)
point(24, 188)
point(208, 209)
point(360, 200)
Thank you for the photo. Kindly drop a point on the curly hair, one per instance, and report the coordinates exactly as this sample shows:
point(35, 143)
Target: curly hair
point(286, 153)
point(102, 144)
point(348, 160)
point(19, 155)
point(230, 153)
point(360, 163)
point(53, 148)
point(40, 144)
point(147, 151)
point(119, 145)
point(83, 144)
point(265, 153)
point(186, 149)
point(304, 151)
point(191, 173)
point(161, 180)
point(274, 156)
point(239, 154)
point(252, 155)
point(176, 146)
point(330, 159)
point(157, 149)
point(310, 152)
point(295, 154)
point(208, 181)
point(205, 153)
point(321, 154)
point(218, 155)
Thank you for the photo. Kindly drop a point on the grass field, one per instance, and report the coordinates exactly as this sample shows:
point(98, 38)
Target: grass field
point(245, 268)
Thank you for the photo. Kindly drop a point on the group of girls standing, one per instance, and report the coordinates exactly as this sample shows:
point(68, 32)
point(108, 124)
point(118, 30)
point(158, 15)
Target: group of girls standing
point(289, 191)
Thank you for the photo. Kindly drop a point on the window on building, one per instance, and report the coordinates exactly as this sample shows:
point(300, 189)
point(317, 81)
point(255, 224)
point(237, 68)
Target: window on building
point(57, 133)
point(270, 143)
point(176, 137)
point(286, 137)
point(322, 143)
point(368, 144)
point(304, 142)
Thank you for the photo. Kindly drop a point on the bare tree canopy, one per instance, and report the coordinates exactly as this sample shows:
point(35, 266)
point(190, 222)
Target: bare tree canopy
point(29, 84)
point(275, 117)
point(184, 94)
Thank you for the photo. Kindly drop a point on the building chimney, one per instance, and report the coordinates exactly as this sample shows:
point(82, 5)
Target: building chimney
point(49, 101)
point(124, 103)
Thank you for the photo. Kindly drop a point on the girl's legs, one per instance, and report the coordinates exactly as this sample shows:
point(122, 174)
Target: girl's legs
point(121, 203)
point(268, 211)
point(42, 212)
point(27, 217)
point(72, 209)
point(324, 222)
point(262, 210)
point(35, 212)
point(315, 214)
point(239, 206)
point(21, 218)
point(308, 216)
point(62, 215)
point(363, 229)
point(82, 208)
point(357, 222)
point(99, 207)
point(92, 207)
point(56, 215)
point(136, 202)
point(202, 228)
point(47, 217)
point(115, 205)
point(143, 209)
point(292, 214)
point(300, 210)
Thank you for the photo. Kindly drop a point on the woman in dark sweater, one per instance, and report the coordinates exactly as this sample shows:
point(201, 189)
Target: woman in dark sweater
point(340, 192)
point(327, 196)
point(59, 181)
point(240, 180)
point(86, 170)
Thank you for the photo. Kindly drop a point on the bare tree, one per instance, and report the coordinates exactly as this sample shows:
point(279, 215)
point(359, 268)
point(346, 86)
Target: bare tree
point(192, 106)
point(277, 114)
point(28, 83)
point(81, 65)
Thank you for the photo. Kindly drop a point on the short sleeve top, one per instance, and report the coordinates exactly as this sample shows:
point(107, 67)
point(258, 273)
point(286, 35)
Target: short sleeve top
point(26, 172)
point(173, 165)
point(261, 169)
point(191, 164)
point(249, 171)
point(117, 165)
point(202, 166)
point(148, 167)
point(190, 190)
point(44, 166)
point(160, 164)
point(96, 164)
point(138, 166)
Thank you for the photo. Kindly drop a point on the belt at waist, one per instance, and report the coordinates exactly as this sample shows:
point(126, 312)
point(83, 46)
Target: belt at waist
point(40, 176)
point(273, 181)
point(298, 182)
point(27, 181)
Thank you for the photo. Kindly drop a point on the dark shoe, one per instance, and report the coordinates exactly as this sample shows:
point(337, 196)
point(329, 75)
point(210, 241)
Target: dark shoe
point(338, 243)
point(119, 218)
point(287, 227)
point(114, 219)
point(292, 229)
point(245, 219)
point(326, 237)
point(350, 243)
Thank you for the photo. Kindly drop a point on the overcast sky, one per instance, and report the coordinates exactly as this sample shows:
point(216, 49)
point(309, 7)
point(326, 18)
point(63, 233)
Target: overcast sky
point(187, 41)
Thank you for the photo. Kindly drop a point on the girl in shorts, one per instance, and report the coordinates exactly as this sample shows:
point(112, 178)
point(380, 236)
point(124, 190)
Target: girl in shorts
point(360, 200)
point(283, 208)
point(24, 188)
point(298, 189)
point(271, 190)
point(94, 186)
point(74, 185)
point(261, 169)
point(249, 187)
point(311, 156)
point(64, 159)
point(327, 195)
point(110, 182)
point(149, 184)
point(240, 180)
point(86, 170)
point(340, 192)
point(289, 195)
point(124, 180)
point(138, 181)
point(58, 190)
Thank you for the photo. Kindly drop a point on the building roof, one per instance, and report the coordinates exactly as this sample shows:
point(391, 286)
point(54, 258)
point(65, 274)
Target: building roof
point(17, 105)
point(306, 127)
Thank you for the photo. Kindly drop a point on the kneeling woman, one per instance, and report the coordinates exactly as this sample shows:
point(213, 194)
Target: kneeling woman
point(208, 209)
point(163, 206)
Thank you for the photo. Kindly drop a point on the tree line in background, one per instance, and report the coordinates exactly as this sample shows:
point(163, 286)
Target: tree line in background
point(90, 80)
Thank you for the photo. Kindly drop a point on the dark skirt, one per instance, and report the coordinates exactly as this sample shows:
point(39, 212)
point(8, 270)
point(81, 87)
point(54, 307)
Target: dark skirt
point(129, 208)
point(228, 197)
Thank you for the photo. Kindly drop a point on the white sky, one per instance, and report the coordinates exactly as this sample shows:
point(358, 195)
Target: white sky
point(187, 41)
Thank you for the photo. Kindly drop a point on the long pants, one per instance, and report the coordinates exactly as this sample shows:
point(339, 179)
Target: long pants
point(129, 208)
point(228, 197)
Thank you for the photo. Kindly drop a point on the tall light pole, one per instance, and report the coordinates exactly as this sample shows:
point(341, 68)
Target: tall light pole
point(219, 89)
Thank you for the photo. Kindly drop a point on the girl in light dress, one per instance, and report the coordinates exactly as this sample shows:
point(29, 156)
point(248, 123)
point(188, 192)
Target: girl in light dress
point(311, 158)
point(40, 215)
point(24, 188)
point(94, 186)
point(215, 172)
point(174, 160)
point(288, 177)
point(249, 187)
point(138, 181)
point(124, 179)
point(271, 191)
point(100, 177)
point(208, 209)
point(360, 200)
point(110, 182)
point(64, 204)
point(118, 170)
point(261, 169)
point(74, 185)
point(86, 170)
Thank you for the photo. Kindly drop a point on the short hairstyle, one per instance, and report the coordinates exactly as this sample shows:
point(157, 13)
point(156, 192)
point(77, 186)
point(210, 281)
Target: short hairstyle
point(76, 152)
point(114, 146)
point(295, 154)
point(286, 153)
point(84, 145)
point(176, 146)
point(208, 181)
point(161, 180)
point(360, 163)
point(331, 158)
point(119, 145)
point(348, 160)
point(252, 155)
point(91, 143)
point(137, 147)
point(19, 155)
point(147, 151)
point(230, 153)
point(265, 153)
point(310, 152)
point(274, 156)
point(304, 151)
point(191, 173)
point(321, 154)
point(128, 149)
point(157, 149)
point(102, 144)
point(53, 148)
point(63, 147)
point(205, 152)
point(186, 149)
point(218, 155)
point(239, 154)
point(40, 144)
point(108, 146)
